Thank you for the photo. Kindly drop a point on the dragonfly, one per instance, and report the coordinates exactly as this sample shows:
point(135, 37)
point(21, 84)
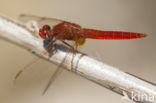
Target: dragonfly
point(56, 29)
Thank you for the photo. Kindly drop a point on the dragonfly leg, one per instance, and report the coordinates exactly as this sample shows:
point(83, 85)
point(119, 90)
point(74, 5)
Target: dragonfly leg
point(51, 48)
point(34, 60)
point(55, 49)
point(57, 71)
point(73, 49)
point(26, 66)
point(70, 46)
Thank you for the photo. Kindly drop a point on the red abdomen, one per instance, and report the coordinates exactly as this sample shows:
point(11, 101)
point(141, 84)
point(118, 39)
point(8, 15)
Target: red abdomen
point(97, 34)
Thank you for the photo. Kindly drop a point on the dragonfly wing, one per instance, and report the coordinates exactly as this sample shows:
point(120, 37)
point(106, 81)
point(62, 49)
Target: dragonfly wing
point(34, 60)
point(40, 20)
point(58, 69)
point(52, 78)
point(54, 75)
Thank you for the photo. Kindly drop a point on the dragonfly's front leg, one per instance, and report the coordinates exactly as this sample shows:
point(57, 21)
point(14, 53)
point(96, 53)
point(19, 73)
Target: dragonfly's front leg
point(73, 50)
point(51, 48)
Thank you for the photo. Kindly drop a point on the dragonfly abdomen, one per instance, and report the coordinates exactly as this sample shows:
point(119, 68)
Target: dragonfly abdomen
point(97, 34)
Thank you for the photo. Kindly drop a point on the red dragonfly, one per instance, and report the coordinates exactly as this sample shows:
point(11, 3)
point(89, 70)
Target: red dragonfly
point(71, 31)
point(62, 30)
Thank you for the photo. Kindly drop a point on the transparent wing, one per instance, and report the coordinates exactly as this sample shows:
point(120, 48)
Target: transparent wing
point(72, 49)
point(40, 20)
point(34, 60)
point(54, 75)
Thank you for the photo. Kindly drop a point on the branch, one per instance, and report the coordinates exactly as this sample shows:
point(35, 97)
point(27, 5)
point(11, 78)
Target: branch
point(96, 71)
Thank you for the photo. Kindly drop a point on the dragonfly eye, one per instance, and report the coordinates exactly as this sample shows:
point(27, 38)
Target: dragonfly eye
point(43, 31)
point(46, 28)
point(42, 34)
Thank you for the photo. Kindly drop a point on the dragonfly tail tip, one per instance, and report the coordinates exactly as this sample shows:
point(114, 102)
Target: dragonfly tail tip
point(143, 35)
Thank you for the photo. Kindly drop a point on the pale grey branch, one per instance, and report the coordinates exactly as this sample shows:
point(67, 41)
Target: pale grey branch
point(96, 71)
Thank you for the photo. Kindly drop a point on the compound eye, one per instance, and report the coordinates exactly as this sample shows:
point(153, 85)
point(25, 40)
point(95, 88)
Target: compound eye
point(46, 28)
point(42, 34)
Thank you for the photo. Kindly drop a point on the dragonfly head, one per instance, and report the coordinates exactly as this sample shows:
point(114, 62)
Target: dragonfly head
point(43, 32)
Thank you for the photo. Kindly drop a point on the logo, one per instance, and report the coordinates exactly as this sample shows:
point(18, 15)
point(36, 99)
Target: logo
point(137, 97)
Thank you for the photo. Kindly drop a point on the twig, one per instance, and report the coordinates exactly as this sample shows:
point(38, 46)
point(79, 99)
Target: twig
point(96, 71)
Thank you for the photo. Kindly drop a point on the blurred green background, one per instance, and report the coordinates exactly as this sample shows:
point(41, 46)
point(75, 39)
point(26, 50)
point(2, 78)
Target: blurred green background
point(134, 56)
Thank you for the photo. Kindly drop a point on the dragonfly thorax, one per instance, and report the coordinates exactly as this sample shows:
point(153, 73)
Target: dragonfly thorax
point(69, 31)
point(63, 31)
